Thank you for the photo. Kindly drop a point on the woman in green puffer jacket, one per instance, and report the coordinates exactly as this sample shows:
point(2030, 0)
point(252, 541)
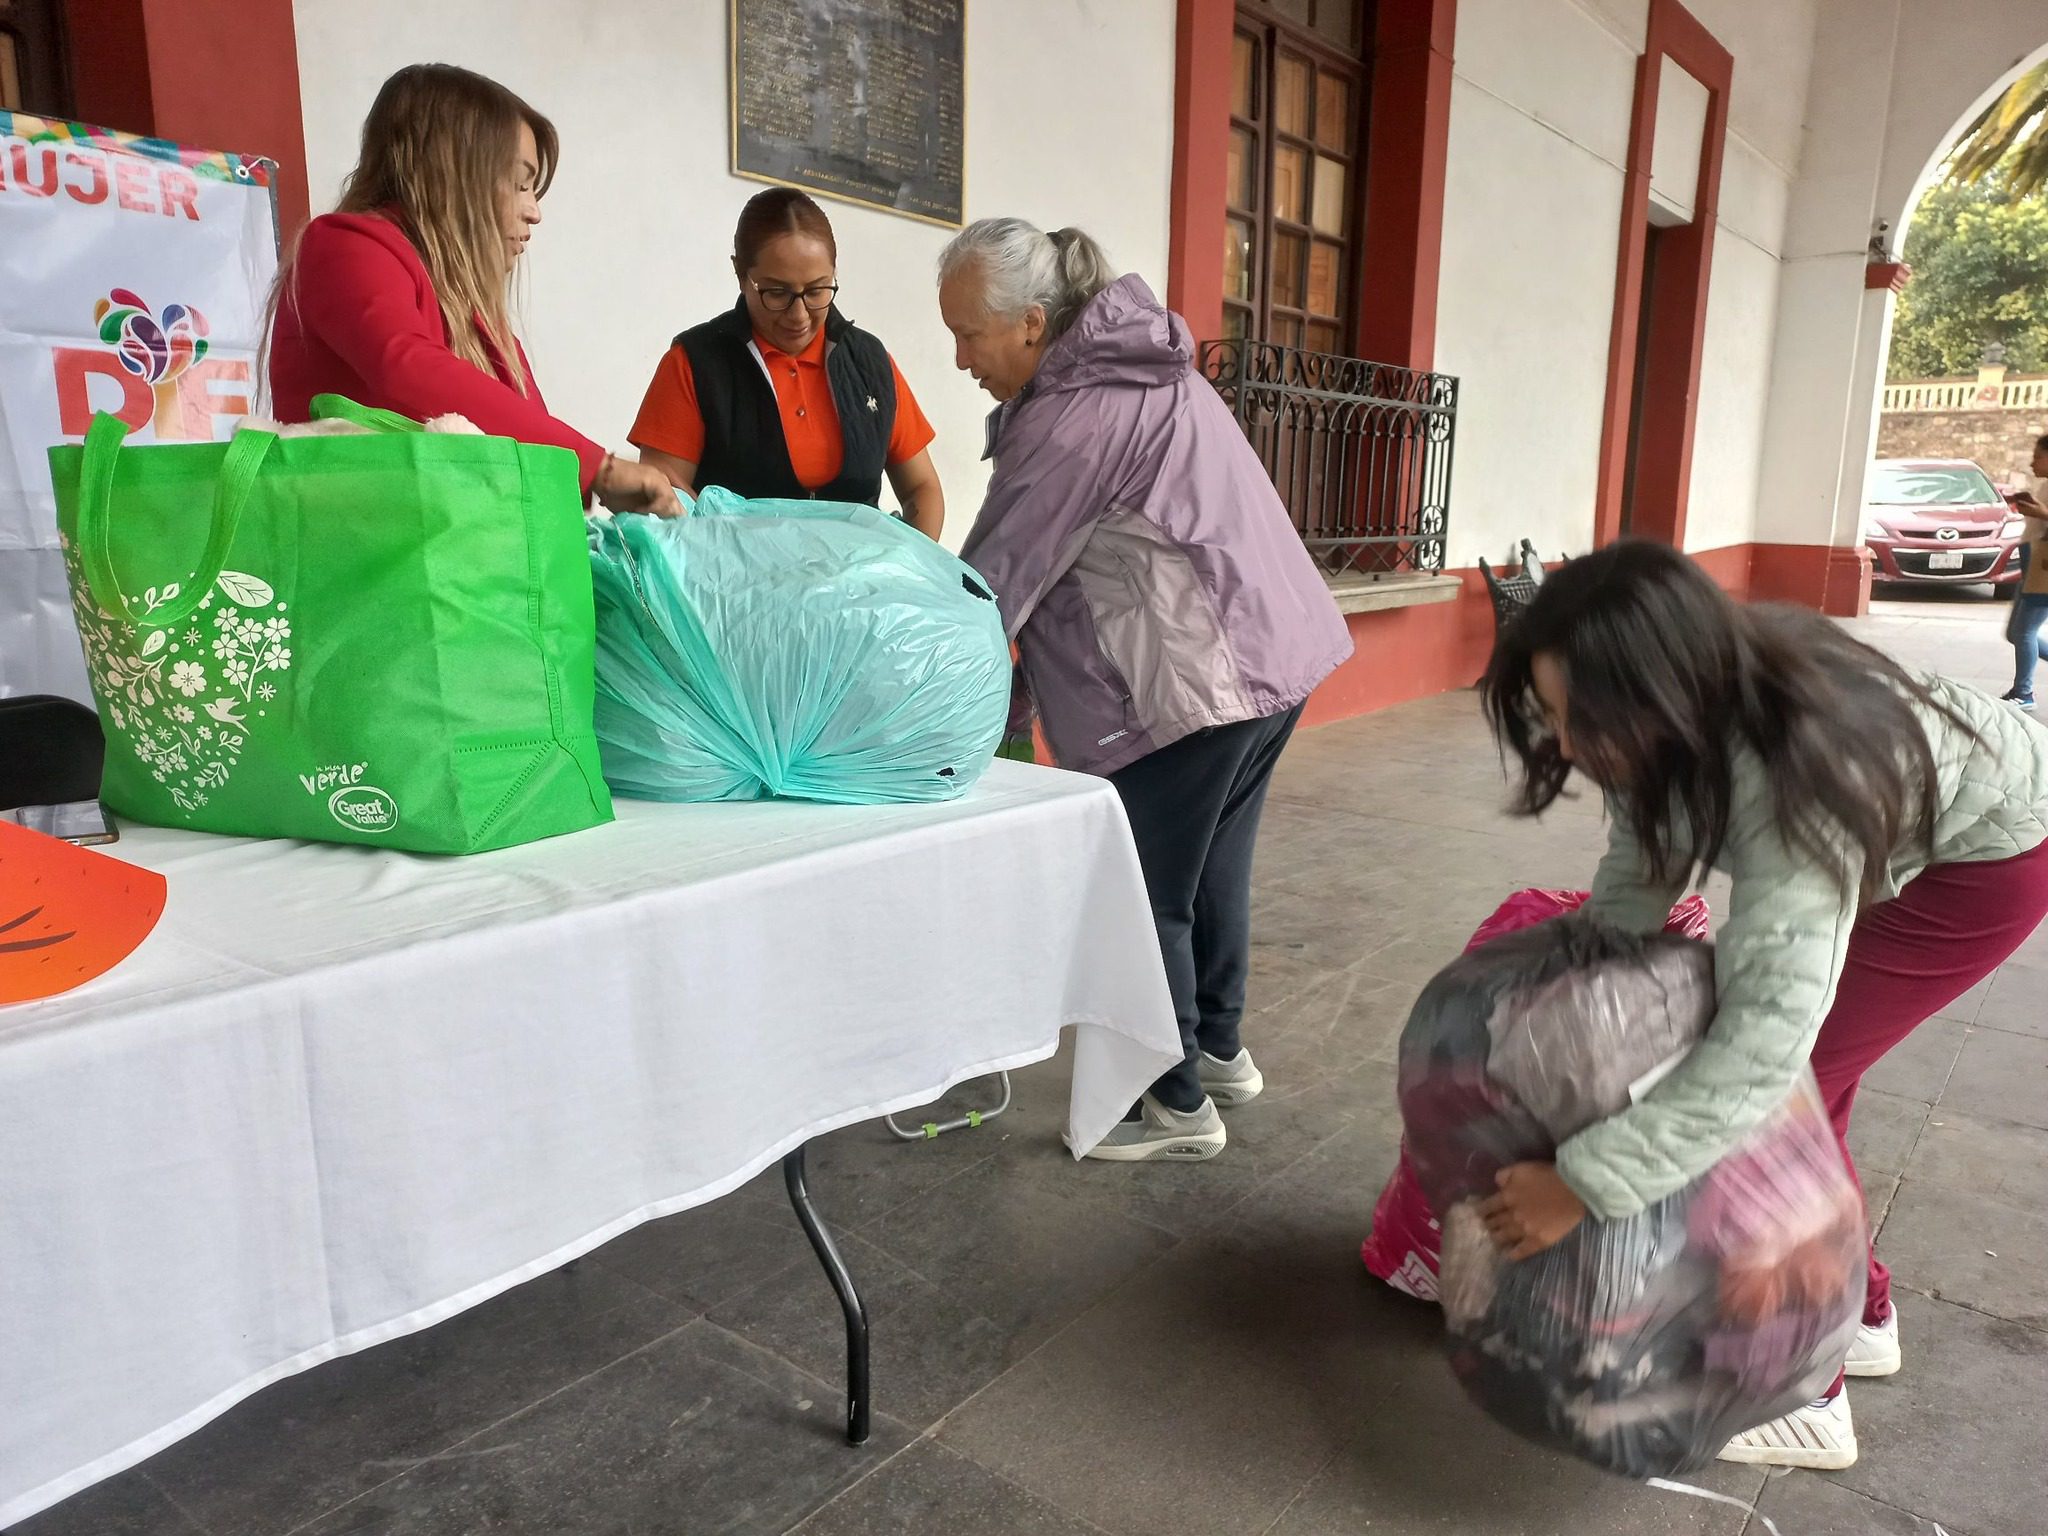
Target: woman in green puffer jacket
point(1887, 839)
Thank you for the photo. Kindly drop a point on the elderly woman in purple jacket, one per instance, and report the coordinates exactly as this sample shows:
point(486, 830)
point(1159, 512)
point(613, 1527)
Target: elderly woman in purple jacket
point(1169, 621)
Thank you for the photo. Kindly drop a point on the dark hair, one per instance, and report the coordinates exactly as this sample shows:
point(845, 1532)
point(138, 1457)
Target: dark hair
point(2041, 443)
point(1666, 678)
point(772, 214)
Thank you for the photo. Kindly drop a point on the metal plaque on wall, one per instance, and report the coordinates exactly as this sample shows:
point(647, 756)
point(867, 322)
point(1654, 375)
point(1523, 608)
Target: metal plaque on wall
point(857, 99)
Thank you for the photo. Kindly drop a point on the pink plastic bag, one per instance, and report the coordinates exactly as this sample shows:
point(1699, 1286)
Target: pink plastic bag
point(1405, 1242)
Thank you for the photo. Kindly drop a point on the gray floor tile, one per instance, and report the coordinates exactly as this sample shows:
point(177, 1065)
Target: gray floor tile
point(1414, 962)
point(932, 1349)
point(1970, 1004)
point(701, 1257)
point(1958, 1435)
point(1994, 1158)
point(128, 1505)
point(1027, 1240)
point(1348, 1018)
point(1204, 1394)
point(1918, 1067)
point(1401, 1476)
point(928, 1489)
point(2017, 1000)
point(1300, 941)
point(1805, 1505)
point(1198, 1399)
point(1987, 1254)
point(862, 1171)
point(1270, 1135)
point(700, 1432)
point(310, 1442)
point(1883, 1129)
point(2002, 1076)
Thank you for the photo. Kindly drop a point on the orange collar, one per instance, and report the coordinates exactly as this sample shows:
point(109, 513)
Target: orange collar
point(813, 352)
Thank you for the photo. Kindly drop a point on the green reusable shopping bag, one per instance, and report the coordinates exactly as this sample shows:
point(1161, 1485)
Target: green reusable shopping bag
point(380, 637)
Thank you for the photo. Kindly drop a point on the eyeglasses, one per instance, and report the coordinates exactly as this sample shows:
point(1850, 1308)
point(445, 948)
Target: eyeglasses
point(777, 301)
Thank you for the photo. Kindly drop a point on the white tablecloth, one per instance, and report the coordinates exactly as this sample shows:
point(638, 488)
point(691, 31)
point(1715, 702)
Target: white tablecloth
point(341, 1094)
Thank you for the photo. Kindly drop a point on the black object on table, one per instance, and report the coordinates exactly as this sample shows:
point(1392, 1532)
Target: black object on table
point(51, 751)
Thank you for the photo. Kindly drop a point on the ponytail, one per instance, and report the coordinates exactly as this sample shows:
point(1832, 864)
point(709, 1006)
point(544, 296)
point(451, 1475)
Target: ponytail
point(1083, 272)
point(1021, 265)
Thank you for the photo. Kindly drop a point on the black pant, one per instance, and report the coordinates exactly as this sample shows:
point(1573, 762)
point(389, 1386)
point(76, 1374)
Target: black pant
point(1194, 813)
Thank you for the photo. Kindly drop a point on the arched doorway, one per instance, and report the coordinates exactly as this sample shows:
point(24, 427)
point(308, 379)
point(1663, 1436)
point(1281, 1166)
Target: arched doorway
point(1921, 69)
point(1962, 415)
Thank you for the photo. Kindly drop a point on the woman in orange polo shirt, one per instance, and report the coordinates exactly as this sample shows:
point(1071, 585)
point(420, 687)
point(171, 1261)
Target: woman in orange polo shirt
point(782, 395)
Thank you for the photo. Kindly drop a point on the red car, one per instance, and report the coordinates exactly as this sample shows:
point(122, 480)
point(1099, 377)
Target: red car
point(1940, 520)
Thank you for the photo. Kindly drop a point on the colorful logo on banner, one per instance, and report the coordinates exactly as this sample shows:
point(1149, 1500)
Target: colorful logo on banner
point(159, 363)
point(156, 350)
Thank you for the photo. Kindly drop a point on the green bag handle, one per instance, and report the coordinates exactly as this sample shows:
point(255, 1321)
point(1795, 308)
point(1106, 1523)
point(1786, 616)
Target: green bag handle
point(341, 408)
point(238, 471)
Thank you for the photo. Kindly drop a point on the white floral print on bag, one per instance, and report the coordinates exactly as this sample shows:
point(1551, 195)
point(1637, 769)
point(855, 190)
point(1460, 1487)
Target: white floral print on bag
point(180, 697)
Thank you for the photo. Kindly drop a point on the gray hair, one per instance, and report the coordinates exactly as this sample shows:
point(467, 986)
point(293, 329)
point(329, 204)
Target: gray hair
point(1021, 265)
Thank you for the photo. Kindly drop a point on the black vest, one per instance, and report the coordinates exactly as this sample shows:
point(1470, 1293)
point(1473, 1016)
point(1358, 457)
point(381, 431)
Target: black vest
point(744, 450)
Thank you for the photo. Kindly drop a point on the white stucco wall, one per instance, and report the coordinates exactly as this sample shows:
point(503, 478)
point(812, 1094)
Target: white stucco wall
point(1540, 106)
point(1069, 121)
point(1540, 113)
point(1773, 49)
point(1675, 147)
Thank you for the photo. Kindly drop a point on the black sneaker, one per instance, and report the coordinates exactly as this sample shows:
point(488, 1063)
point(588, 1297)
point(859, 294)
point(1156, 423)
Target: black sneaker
point(2017, 700)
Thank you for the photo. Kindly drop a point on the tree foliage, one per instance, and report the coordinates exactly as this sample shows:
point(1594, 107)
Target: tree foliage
point(2009, 139)
point(1979, 254)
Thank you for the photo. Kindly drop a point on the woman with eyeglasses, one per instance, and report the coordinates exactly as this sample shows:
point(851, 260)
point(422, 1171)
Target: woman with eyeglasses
point(783, 395)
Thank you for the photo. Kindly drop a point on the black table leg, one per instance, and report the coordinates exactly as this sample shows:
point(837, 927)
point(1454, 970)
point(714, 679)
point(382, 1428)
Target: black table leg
point(849, 1298)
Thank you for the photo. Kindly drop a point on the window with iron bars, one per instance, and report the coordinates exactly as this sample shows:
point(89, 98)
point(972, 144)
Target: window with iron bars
point(1359, 451)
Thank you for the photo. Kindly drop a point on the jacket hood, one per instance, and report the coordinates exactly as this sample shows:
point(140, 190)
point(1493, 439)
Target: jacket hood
point(1124, 336)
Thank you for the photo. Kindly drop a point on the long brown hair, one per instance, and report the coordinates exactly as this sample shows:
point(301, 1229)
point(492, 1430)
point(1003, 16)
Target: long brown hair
point(1666, 678)
point(436, 149)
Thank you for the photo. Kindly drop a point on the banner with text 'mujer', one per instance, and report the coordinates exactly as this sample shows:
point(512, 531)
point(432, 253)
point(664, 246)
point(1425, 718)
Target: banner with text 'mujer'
point(133, 275)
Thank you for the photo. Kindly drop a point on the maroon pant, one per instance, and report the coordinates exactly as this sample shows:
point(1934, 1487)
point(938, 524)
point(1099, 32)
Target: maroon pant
point(1908, 959)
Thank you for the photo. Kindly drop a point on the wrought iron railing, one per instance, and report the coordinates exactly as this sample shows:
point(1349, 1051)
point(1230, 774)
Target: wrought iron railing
point(1359, 451)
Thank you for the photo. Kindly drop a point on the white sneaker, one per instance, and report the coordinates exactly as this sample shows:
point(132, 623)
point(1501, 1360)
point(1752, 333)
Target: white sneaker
point(1230, 1083)
point(1876, 1350)
point(1821, 1437)
point(1160, 1132)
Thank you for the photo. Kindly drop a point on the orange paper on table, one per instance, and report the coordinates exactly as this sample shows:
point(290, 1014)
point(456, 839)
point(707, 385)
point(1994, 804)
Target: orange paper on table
point(67, 914)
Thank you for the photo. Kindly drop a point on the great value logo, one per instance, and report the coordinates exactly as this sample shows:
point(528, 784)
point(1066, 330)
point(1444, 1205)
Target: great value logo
point(363, 807)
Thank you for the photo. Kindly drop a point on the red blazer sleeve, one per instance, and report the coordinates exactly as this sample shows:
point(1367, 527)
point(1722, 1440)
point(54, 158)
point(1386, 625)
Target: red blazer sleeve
point(359, 297)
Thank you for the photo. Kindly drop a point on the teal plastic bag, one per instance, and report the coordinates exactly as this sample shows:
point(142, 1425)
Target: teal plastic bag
point(799, 649)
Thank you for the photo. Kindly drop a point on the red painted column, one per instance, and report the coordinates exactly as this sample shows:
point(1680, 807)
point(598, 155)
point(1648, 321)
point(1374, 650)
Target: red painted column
point(1201, 153)
point(1407, 150)
point(1628, 294)
point(214, 74)
point(1678, 307)
point(224, 74)
point(1678, 314)
point(110, 64)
